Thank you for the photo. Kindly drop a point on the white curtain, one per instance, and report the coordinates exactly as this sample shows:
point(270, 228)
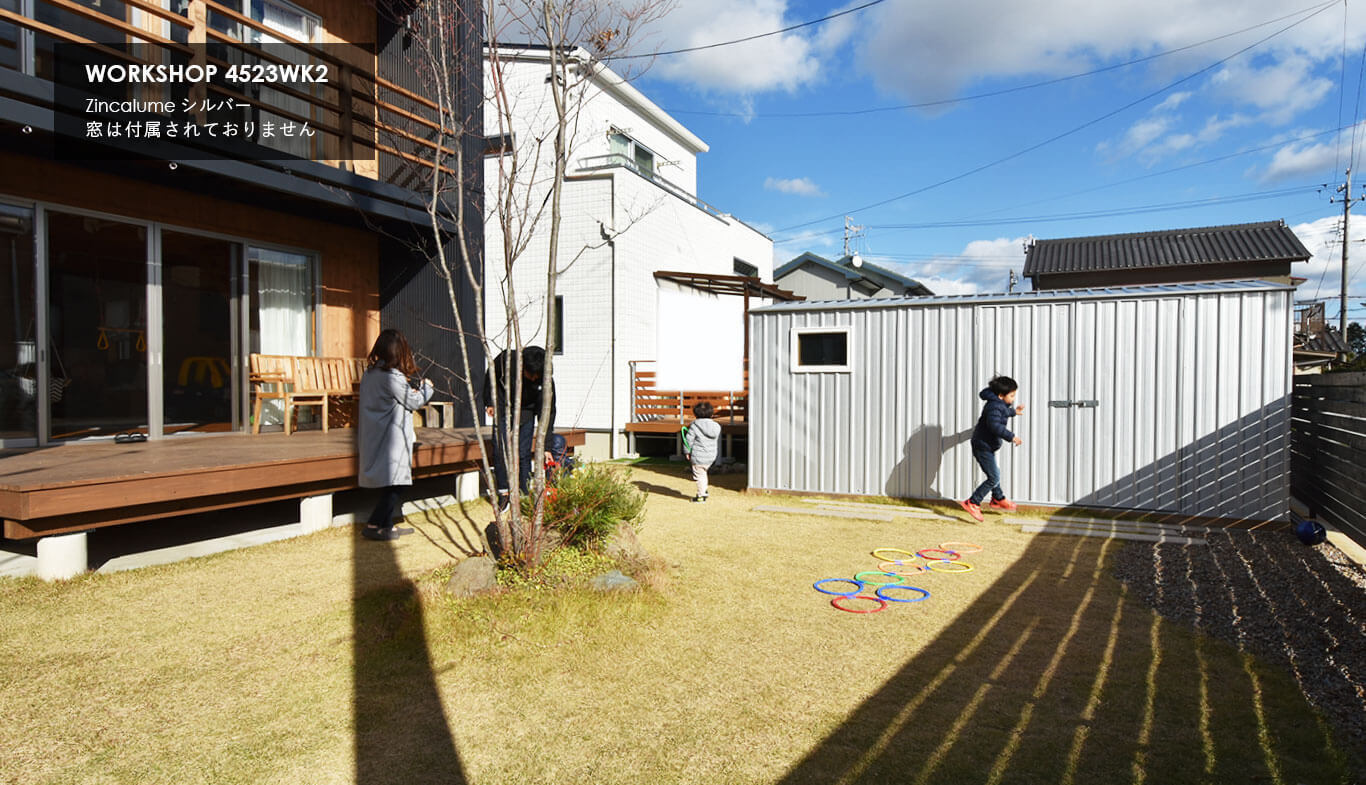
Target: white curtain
point(284, 298)
point(284, 294)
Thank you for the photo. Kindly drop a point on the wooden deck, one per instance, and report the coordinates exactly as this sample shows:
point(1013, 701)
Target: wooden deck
point(77, 487)
point(729, 425)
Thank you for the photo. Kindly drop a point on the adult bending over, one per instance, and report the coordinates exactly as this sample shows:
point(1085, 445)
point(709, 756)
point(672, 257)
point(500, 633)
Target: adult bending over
point(528, 411)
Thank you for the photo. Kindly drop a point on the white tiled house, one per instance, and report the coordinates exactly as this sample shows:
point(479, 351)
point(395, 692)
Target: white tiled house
point(632, 177)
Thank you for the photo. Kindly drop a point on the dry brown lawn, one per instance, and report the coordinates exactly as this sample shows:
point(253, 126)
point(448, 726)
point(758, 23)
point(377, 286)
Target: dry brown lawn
point(333, 659)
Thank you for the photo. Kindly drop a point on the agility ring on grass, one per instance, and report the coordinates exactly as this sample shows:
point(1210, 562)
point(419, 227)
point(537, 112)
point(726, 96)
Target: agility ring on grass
point(892, 559)
point(949, 555)
point(858, 576)
point(924, 595)
point(858, 586)
point(901, 568)
point(949, 566)
point(960, 547)
point(881, 603)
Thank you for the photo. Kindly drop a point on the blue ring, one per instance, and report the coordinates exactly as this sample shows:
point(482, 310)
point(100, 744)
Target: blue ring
point(881, 596)
point(859, 584)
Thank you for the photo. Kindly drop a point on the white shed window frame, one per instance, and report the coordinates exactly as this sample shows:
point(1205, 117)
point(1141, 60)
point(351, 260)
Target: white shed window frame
point(798, 367)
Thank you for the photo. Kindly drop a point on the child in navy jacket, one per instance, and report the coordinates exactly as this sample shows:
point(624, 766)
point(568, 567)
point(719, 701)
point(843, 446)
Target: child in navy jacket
point(987, 438)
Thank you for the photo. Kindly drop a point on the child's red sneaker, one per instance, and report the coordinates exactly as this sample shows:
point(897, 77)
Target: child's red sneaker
point(973, 509)
point(1004, 505)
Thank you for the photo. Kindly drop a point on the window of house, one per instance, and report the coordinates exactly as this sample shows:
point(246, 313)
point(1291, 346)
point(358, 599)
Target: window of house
point(743, 267)
point(633, 153)
point(559, 324)
point(817, 349)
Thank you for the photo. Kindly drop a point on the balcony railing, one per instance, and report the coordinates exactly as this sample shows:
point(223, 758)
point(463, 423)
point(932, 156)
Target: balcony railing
point(358, 116)
point(595, 163)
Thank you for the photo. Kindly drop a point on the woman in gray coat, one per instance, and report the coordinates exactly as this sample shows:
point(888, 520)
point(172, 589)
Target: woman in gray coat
point(389, 394)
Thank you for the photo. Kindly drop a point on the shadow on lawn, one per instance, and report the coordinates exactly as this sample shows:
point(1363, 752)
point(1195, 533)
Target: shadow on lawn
point(1053, 677)
point(403, 736)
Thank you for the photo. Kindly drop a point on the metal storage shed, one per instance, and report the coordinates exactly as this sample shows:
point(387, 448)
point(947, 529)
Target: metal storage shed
point(1171, 397)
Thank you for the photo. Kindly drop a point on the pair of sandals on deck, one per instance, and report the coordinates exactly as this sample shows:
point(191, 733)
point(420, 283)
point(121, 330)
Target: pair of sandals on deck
point(129, 437)
point(373, 532)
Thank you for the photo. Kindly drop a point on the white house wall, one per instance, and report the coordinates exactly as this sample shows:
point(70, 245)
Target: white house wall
point(653, 228)
point(1193, 395)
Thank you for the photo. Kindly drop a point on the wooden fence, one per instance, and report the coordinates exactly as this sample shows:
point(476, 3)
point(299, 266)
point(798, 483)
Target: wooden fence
point(1328, 449)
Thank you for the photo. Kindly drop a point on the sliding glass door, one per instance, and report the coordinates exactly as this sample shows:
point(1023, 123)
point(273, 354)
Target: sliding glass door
point(113, 328)
point(18, 328)
point(280, 314)
point(197, 277)
point(97, 272)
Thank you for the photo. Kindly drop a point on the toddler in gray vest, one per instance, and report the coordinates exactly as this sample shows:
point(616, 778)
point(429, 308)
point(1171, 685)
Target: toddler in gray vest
point(701, 442)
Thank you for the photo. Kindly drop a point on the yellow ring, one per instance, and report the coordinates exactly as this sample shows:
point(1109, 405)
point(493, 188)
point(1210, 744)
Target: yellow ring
point(876, 551)
point(958, 566)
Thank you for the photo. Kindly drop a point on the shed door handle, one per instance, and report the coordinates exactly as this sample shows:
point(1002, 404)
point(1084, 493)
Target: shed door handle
point(1060, 404)
point(1086, 404)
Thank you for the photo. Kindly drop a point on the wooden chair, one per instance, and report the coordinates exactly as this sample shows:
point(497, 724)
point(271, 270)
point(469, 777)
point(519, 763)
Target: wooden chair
point(271, 375)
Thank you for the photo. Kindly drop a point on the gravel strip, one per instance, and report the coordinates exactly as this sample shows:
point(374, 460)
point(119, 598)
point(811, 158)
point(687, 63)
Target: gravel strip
point(1272, 596)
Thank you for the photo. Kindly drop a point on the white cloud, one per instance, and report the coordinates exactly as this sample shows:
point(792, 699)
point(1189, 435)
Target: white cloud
point(931, 49)
point(1324, 268)
point(1299, 159)
point(983, 266)
point(1280, 90)
point(779, 62)
point(798, 186)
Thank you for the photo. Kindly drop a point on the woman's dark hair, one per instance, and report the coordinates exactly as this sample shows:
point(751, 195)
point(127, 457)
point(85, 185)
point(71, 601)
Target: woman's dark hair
point(392, 351)
point(1002, 385)
point(703, 410)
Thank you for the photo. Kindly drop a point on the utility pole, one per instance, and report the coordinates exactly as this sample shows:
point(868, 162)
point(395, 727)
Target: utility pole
point(1346, 190)
point(1010, 288)
point(850, 231)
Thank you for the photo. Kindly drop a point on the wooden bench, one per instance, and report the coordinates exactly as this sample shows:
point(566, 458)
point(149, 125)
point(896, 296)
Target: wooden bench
point(302, 381)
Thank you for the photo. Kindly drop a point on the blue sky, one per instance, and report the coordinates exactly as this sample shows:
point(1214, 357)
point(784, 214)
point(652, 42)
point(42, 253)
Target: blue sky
point(1230, 127)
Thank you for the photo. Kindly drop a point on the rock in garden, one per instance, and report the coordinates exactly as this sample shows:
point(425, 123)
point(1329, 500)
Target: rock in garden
point(615, 580)
point(624, 544)
point(473, 576)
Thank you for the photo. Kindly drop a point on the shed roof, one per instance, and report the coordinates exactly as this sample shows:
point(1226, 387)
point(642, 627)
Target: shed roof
point(1267, 241)
point(1003, 298)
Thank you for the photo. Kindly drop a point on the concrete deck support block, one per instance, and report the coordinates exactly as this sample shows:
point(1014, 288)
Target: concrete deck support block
point(467, 487)
point(62, 556)
point(315, 513)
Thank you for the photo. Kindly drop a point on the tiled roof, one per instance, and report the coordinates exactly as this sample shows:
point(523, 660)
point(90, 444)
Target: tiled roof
point(880, 276)
point(1267, 241)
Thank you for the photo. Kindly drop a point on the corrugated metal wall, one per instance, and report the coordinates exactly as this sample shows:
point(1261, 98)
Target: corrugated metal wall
point(1193, 392)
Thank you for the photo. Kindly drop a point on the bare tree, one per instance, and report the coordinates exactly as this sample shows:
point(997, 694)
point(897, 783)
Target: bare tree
point(525, 191)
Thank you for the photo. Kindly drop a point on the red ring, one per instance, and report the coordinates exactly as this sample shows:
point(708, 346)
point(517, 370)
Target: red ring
point(952, 555)
point(881, 603)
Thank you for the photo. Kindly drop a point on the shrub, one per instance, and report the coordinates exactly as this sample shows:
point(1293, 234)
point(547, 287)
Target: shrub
point(586, 507)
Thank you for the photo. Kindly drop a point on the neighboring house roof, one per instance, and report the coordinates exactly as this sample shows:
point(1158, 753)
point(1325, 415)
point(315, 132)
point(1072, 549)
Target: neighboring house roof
point(880, 276)
point(1046, 295)
point(1268, 241)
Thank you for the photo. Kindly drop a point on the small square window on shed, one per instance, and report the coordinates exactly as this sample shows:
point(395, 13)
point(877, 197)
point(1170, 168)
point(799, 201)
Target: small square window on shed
point(820, 349)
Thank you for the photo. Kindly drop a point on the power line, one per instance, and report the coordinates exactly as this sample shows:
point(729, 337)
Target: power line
point(1111, 213)
point(1003, 91)
point(1056, 137)
point(752, 37)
